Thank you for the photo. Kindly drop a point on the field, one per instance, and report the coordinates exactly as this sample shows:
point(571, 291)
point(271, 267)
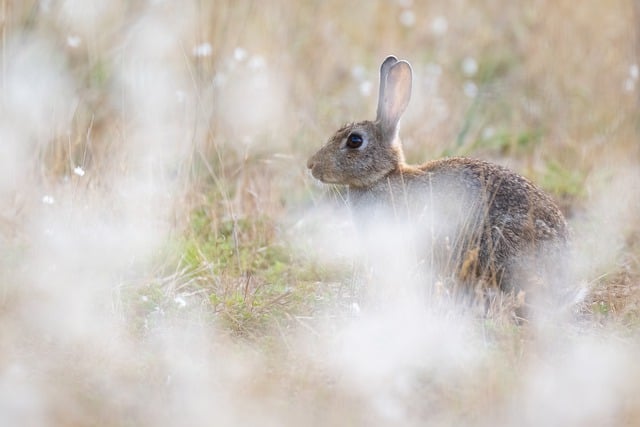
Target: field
point(168, 260)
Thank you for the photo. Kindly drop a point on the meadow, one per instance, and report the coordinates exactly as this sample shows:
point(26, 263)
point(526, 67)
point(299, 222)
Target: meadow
point(168, 260)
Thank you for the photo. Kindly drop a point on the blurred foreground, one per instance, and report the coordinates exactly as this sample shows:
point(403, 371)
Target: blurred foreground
point(166, 260)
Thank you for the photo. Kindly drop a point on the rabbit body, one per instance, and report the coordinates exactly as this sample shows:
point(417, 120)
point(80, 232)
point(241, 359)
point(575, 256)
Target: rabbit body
point(476, 220)
point(481, 220)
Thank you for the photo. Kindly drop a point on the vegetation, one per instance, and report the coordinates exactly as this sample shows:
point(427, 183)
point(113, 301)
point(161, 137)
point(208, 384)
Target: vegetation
point(168, 261)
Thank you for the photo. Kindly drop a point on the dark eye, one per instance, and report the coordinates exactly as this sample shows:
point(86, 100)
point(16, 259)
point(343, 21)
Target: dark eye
point(354, 140)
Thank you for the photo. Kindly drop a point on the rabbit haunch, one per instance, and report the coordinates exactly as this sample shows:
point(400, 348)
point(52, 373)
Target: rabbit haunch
point(480, 220)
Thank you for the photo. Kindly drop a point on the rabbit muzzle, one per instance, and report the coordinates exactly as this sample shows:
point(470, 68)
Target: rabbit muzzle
point(315, 170)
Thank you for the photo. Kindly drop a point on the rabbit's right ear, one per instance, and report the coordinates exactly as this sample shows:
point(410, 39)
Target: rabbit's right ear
point(395, 92)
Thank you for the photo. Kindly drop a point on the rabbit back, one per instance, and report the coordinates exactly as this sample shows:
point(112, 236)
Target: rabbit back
point(481, 220)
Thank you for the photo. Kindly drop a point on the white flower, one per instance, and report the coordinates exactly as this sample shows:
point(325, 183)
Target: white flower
point(470, 89)
point(73, 41)
point(439, 26)
point(180, 301)
point(488, 133)
point(358, 72)
point(257, 63)
point(48, 200)
point(407, 18)
point(365, 88)
point(469, 66)
point(219, 79)
point(202, 50)
point(355, 308)
point(239, 54)
point(78, 171)
point(634, 71)
point(629, 85)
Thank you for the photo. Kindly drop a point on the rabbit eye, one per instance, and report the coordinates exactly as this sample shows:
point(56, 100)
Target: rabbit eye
point(354, 141)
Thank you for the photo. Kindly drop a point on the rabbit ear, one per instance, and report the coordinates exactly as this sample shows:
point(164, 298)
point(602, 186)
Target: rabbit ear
point(384, 70)
point(395, 96)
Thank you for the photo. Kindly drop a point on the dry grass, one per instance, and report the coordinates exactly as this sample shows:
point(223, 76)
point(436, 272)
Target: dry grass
point(159, 234)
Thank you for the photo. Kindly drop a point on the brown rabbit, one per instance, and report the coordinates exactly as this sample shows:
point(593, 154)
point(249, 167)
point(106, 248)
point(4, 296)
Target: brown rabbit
point(475, 220)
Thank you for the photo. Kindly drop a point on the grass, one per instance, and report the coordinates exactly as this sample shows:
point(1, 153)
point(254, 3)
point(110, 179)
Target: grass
point(186, 278)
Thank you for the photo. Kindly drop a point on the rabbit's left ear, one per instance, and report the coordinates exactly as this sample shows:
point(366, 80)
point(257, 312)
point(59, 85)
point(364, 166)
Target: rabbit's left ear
point(389, 62)
point(395, 96)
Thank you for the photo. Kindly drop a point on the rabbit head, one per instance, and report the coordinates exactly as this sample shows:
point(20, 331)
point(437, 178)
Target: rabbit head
point(360, 154)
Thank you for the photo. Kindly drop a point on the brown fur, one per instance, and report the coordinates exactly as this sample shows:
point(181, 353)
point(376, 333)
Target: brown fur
point(500, 218)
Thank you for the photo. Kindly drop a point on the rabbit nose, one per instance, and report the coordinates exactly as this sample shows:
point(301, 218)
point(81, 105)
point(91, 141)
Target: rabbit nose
point(310, 163)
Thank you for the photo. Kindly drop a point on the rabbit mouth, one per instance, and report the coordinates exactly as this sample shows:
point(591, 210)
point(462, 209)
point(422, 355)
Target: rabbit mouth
point(317, 172)
point(323, 177)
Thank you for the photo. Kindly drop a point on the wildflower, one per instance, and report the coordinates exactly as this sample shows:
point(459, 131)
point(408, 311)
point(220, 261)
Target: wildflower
point(408, 18)
point(48, 200)
point(78, 171)
point(239, 54)
point(629, 84)
point(365, 88)
point(219, 79)
point(257, 63)
point(355, 308)
point(202, 50)
point(358, 72)
point(439, 26)
point(180, 301)
point(488, 133)
point(73, 41)
point(470, 89)
point(469, 66)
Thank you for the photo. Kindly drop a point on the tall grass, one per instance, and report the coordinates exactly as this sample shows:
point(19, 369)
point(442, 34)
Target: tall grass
point(166, 259)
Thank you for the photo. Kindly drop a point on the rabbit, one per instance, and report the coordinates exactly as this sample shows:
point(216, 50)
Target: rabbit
point(481, 222)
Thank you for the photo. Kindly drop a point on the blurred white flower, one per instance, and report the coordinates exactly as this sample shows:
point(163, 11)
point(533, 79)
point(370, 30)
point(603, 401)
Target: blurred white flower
point(202, 50)
point(239, 54)
point(439, 25)
point(73, 41)
point(78, 171)
point(470, 89)
point(407, 18)
point(257, 63)
point(488, 133)
point(358, 72)
point(629, 84)
point(219, 79)
point(180, 301)
point(469, 66)
point(48, 200)
point(634, 71)
point(355, 308)
point(365, 88)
